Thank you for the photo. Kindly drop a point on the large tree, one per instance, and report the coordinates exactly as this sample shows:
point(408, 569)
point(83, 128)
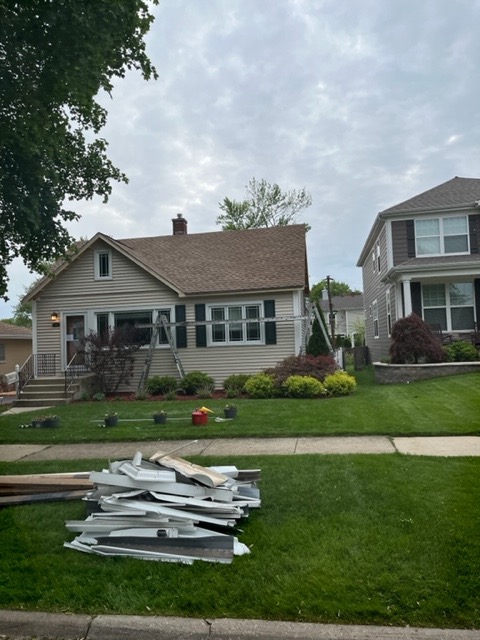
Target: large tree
point(55, 57)
point(265, 205)
point(337, 288)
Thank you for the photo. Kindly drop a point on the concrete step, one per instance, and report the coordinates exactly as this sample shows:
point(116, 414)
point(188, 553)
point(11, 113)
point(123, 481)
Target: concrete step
point(51, 402)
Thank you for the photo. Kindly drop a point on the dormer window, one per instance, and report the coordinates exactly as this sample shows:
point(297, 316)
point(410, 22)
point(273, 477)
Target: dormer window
point(440, 236)
point(103, 265)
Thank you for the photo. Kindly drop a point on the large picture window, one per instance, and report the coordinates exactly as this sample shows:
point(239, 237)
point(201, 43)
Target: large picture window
point(135, 321)
point(235, 324)
point(450, 306)
point(438, 236)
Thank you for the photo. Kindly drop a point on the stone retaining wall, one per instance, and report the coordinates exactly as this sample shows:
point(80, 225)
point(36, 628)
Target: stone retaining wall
point(395, 373)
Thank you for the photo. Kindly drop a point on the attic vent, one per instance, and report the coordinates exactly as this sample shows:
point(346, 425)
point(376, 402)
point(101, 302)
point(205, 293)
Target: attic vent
point(179, 225)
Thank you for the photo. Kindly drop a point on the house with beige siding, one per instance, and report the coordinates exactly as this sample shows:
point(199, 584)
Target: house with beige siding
point(15, 346)
point(235, 301)
point(422, 256)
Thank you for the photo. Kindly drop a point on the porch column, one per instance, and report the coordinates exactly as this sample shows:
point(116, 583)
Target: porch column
point(407, 298)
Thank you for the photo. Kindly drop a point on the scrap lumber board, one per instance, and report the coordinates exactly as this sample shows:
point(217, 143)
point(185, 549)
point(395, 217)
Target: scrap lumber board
point(203, 475)
point(59, 496)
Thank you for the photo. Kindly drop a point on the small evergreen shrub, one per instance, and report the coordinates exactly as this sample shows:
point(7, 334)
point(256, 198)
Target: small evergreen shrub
point(303, 387)
point(196, 380)
point(461, 352)
point(234, 385)
point(260, 385)
point(339, 383)
point(315, 366)
point(204, 392)
point(160, 385)
point(414, 342)
point(171, 395)
point(141, 395)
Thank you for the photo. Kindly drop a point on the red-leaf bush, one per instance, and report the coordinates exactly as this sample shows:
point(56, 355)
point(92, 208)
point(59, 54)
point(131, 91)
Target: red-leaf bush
point(414, 342)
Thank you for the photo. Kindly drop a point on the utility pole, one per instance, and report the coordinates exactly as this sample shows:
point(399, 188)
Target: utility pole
point(331, 316)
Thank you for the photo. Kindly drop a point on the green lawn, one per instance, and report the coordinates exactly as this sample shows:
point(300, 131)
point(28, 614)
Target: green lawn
point(443, 406)
point(388, 540)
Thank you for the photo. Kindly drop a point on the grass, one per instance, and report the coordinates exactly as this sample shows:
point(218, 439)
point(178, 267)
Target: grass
point(387, 540)
point(442, 406)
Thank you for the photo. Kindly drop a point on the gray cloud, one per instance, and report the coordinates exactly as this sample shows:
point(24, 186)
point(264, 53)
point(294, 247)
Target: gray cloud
point(364, 104)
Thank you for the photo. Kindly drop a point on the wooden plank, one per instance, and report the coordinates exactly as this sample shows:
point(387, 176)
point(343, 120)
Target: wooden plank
point(203, 475)
point(8, 501)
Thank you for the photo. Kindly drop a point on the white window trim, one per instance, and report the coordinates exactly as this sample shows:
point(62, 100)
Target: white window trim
point(111, 320)
point(388, 303)
point(261, 341)
point(442, 238)
point(376, 334)
point(448, 308)
point(97, 254)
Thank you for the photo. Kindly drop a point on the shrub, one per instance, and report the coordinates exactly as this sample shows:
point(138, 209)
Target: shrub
point(234, 385)
point(141, 395)
point(303, 387)
point(160, 385)
point(339, 383)
point(171, 395)
point(196, 380)
point(413, 341)
point(260, 385)
point(315, 366)
point(461, 352)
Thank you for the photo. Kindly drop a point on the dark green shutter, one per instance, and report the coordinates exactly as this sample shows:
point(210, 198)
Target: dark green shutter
point(476, 284)
point(416, 292)
point(180, 331)
point(410, 238)
point(200, 329)
point(474, 230)
point(270, 327)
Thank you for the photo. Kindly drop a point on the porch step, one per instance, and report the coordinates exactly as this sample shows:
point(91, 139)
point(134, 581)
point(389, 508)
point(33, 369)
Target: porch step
point(45, 392)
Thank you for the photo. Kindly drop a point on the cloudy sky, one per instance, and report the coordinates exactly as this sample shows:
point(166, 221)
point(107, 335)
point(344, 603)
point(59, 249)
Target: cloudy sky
point(364, 103)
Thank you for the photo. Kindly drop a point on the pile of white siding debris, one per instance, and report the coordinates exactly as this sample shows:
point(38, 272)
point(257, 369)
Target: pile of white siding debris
point(166, 509)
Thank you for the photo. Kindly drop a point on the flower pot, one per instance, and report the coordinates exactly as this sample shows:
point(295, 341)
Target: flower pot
point(230, 413)
point(37, 423)
point(51, 422)
point(111, 421)
point(159, 418)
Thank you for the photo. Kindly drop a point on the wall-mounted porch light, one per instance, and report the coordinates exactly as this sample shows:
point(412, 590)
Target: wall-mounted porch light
point(55, 318)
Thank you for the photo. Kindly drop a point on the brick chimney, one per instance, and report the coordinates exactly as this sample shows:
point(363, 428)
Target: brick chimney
point(179, 225)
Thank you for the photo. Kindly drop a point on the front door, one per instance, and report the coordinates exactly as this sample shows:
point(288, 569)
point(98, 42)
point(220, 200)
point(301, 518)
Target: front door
point(75, 331)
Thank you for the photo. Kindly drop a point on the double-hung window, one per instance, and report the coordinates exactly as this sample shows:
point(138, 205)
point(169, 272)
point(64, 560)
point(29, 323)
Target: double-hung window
point(389, 312)
point(235, 324)
point(440, 236)
point(450, 306)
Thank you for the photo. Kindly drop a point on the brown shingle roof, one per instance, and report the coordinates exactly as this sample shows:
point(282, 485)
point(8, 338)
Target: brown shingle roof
point(453, 193)
point(8, 330)
point(226, 261)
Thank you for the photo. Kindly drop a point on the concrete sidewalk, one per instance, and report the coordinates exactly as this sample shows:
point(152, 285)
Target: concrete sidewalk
point(427, 446)
point(21, 624)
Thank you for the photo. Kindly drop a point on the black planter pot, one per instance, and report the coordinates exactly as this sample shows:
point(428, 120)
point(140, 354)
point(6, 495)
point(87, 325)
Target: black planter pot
point(51, 422)
point(159, 418)
point(230, 413)
point(111, 421)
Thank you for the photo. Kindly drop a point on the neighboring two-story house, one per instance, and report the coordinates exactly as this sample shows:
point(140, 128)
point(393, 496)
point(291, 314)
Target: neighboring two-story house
point(422, 256)
point(217, 289)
